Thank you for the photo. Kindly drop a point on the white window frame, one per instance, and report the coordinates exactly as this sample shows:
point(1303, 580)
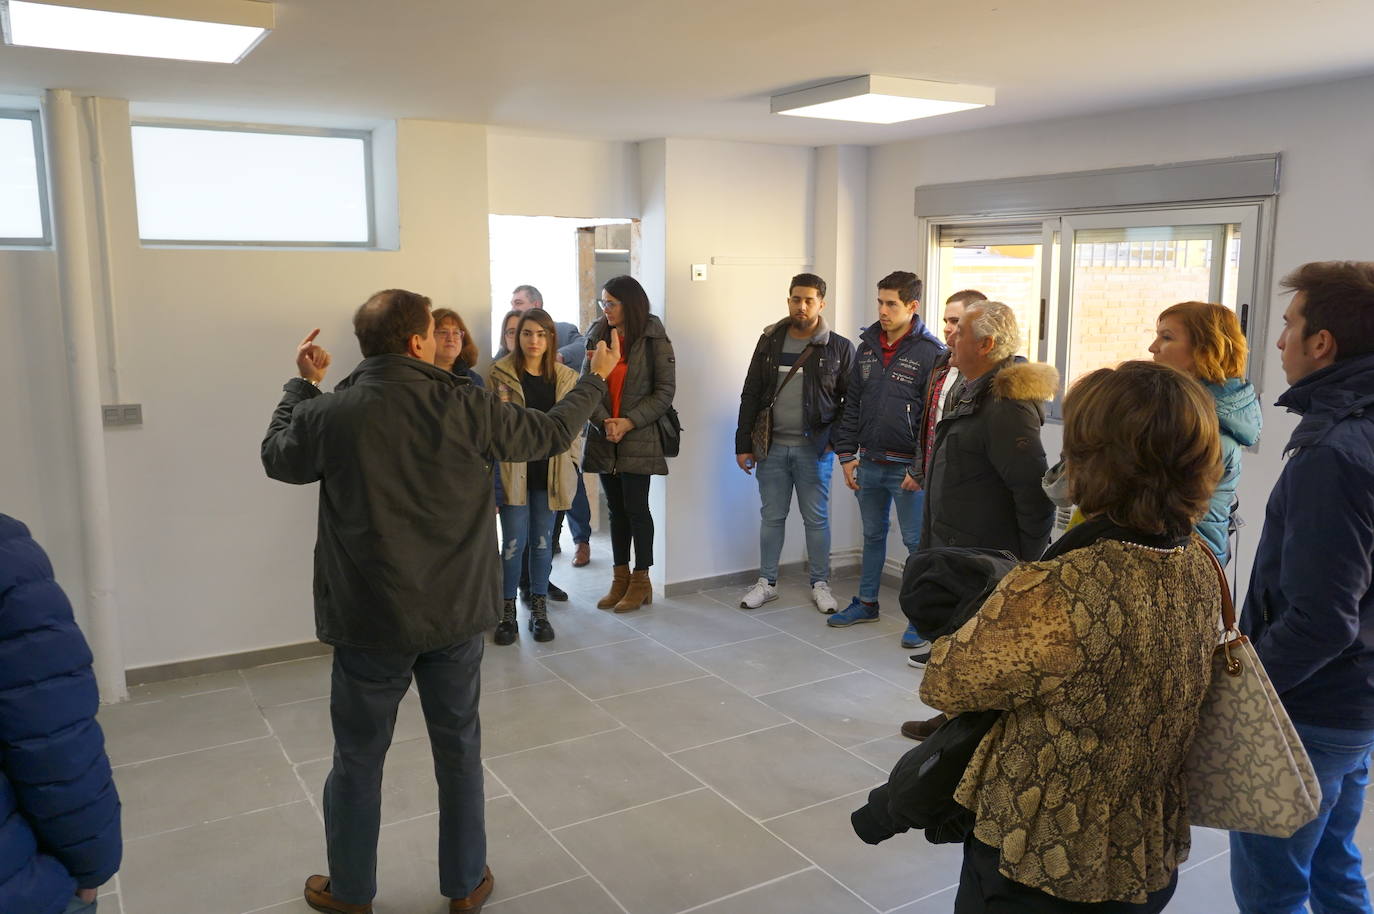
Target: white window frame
point(1255, 215)
point(227, 127)
point(35, 120)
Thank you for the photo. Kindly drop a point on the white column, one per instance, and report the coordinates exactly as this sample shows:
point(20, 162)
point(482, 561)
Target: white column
point(71, 232)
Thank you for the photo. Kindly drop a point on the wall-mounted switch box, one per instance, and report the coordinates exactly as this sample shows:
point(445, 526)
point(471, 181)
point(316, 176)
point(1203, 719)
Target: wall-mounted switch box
point(698, 272)
point(122, 414)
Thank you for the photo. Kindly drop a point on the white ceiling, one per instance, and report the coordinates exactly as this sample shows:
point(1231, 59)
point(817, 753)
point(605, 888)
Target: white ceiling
point(705, 68)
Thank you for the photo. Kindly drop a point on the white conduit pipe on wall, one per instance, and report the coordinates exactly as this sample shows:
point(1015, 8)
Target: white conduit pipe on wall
point(70, 233)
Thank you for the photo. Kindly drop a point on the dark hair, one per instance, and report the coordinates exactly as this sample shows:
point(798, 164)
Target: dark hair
point(807, 281)
point(1142, 446)
point(549, 360)
point(469, 351)
point(386, 322)
point(965, 297)
point(501, 348)
point(535, 295)
point(634, 306)
point(906, 285)
point(1338, 297)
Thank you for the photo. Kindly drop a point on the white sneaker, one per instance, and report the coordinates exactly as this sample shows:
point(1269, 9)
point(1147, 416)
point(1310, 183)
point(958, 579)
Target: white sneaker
point(759, 594)
point(823, 598)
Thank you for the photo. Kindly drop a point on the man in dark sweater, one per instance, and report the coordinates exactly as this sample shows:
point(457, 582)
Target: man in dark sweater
point(401, 590)
point(1310, 607)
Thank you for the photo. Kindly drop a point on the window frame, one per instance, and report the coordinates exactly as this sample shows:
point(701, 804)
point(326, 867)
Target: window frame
point(1053, 331)
point(370, 192)
point(35, 119)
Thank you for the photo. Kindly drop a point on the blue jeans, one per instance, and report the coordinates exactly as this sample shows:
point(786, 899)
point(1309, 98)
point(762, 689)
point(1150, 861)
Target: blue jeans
point(785, 469)
point(532, 524)
point(880, 487)
point(366, 688)
point(580, 514)
point(1320, 861)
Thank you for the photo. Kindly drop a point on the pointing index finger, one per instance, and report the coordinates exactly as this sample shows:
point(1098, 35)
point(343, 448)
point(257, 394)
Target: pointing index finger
point(310, 337)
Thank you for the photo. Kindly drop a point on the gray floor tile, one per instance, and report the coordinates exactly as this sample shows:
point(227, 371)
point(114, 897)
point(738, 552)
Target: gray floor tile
point(591, 776)
point(694, 622)
point(1204, 889)
point(306, 733)
point(201, 786)
point(780, 770)
point(580, 896)
point(769, 664)
point(811, 890)
point(893, 873)
point(191, 685)
point(578, 626)
point(678, 853)
point(230, 866)
point(537, 715)
point(512, 666)
point(941, 902)
point(809, 625)
point(851, 709)
point(408, 787)
point(139, 731)
point(615, 669)
point(687, 714)
point(884, 657)
point(886, 751)
point(295, 680)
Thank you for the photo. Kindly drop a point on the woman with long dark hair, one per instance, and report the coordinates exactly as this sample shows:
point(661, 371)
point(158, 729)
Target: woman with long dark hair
point(532, 492)
point(623, 443)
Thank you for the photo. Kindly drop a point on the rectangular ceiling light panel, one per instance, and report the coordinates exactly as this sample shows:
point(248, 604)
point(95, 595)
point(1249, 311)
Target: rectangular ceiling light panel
point(141, 28)
point(882, 99)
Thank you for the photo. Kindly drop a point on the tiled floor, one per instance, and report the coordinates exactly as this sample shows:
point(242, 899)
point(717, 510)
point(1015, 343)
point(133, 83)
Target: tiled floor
point(692, 756)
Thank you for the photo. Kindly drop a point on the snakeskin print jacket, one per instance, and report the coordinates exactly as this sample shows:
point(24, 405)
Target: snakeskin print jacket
point(1100, 658)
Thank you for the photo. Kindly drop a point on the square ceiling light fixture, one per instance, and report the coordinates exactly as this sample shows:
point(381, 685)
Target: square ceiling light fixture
point(214, 31)
point(882, 99)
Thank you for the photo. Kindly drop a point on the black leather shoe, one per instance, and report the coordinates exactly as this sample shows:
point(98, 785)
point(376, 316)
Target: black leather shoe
point(557, 594)
point(507, 630)
point(539, 619)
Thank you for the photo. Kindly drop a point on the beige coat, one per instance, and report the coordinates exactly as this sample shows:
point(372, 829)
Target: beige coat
point(503, 379)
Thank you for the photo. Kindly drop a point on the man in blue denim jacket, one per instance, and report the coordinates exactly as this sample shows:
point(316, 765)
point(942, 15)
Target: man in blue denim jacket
point(877, 439)
point(1310, 607)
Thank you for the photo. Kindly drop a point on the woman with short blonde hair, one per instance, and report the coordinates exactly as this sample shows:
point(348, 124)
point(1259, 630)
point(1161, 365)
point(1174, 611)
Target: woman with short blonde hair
point(1099, 657)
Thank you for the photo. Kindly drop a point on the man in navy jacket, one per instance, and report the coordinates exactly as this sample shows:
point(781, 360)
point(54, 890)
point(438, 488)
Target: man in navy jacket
point(59, 812)
point(876, 441)
point(1310, 606)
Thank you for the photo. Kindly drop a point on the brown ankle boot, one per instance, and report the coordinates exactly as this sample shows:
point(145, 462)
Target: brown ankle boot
point(637, 594)
point(620, 579)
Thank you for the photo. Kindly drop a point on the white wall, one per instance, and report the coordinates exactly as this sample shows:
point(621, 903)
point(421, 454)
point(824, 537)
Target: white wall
point(540, 175)
point(1327, 191)
point(212, 556)
point(737, 200)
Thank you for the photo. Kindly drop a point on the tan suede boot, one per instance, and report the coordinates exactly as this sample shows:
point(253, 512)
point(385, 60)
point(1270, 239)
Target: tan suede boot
point(637, 594)
point(620, 580)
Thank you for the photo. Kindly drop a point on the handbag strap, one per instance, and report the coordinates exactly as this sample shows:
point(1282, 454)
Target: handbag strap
point(801, 359)
point(1228, 605)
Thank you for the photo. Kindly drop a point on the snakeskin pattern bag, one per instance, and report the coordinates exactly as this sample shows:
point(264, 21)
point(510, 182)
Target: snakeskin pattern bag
point(1246, 770)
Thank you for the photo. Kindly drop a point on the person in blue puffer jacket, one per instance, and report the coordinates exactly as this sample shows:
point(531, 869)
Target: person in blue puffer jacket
point(59, 811)
point(1205, 340)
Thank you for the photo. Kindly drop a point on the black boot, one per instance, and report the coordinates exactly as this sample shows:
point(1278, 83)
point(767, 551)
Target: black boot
point(539, 618)
point(557, 594)
point(506, 629)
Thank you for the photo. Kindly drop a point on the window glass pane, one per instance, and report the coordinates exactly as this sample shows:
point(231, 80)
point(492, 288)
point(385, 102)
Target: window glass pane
point(1123, 278)
point(21, 214)
point(220, 185)
point(1009, 273)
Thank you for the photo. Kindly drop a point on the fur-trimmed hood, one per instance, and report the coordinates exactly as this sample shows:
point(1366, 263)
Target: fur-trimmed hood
point(1019, 380)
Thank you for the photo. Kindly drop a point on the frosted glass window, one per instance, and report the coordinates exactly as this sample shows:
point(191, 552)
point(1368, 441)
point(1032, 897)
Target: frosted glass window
point(209, 185)
point(21, 200)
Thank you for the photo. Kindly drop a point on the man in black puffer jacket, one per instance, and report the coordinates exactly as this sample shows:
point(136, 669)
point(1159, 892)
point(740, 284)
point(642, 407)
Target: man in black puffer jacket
point(400, 449)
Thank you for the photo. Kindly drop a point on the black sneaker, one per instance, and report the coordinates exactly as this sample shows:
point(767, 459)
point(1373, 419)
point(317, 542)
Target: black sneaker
point(919, 661)
point(557, 594)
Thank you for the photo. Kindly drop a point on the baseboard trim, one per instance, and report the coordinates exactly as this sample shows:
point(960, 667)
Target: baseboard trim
point(220, 663)
point(840, 563)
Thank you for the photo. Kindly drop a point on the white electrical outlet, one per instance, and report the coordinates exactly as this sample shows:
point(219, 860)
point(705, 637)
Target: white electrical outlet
point(698, 272)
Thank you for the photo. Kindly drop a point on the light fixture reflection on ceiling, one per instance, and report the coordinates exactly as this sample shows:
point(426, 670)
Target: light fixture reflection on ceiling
point(213, 31)
point(882, 99)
